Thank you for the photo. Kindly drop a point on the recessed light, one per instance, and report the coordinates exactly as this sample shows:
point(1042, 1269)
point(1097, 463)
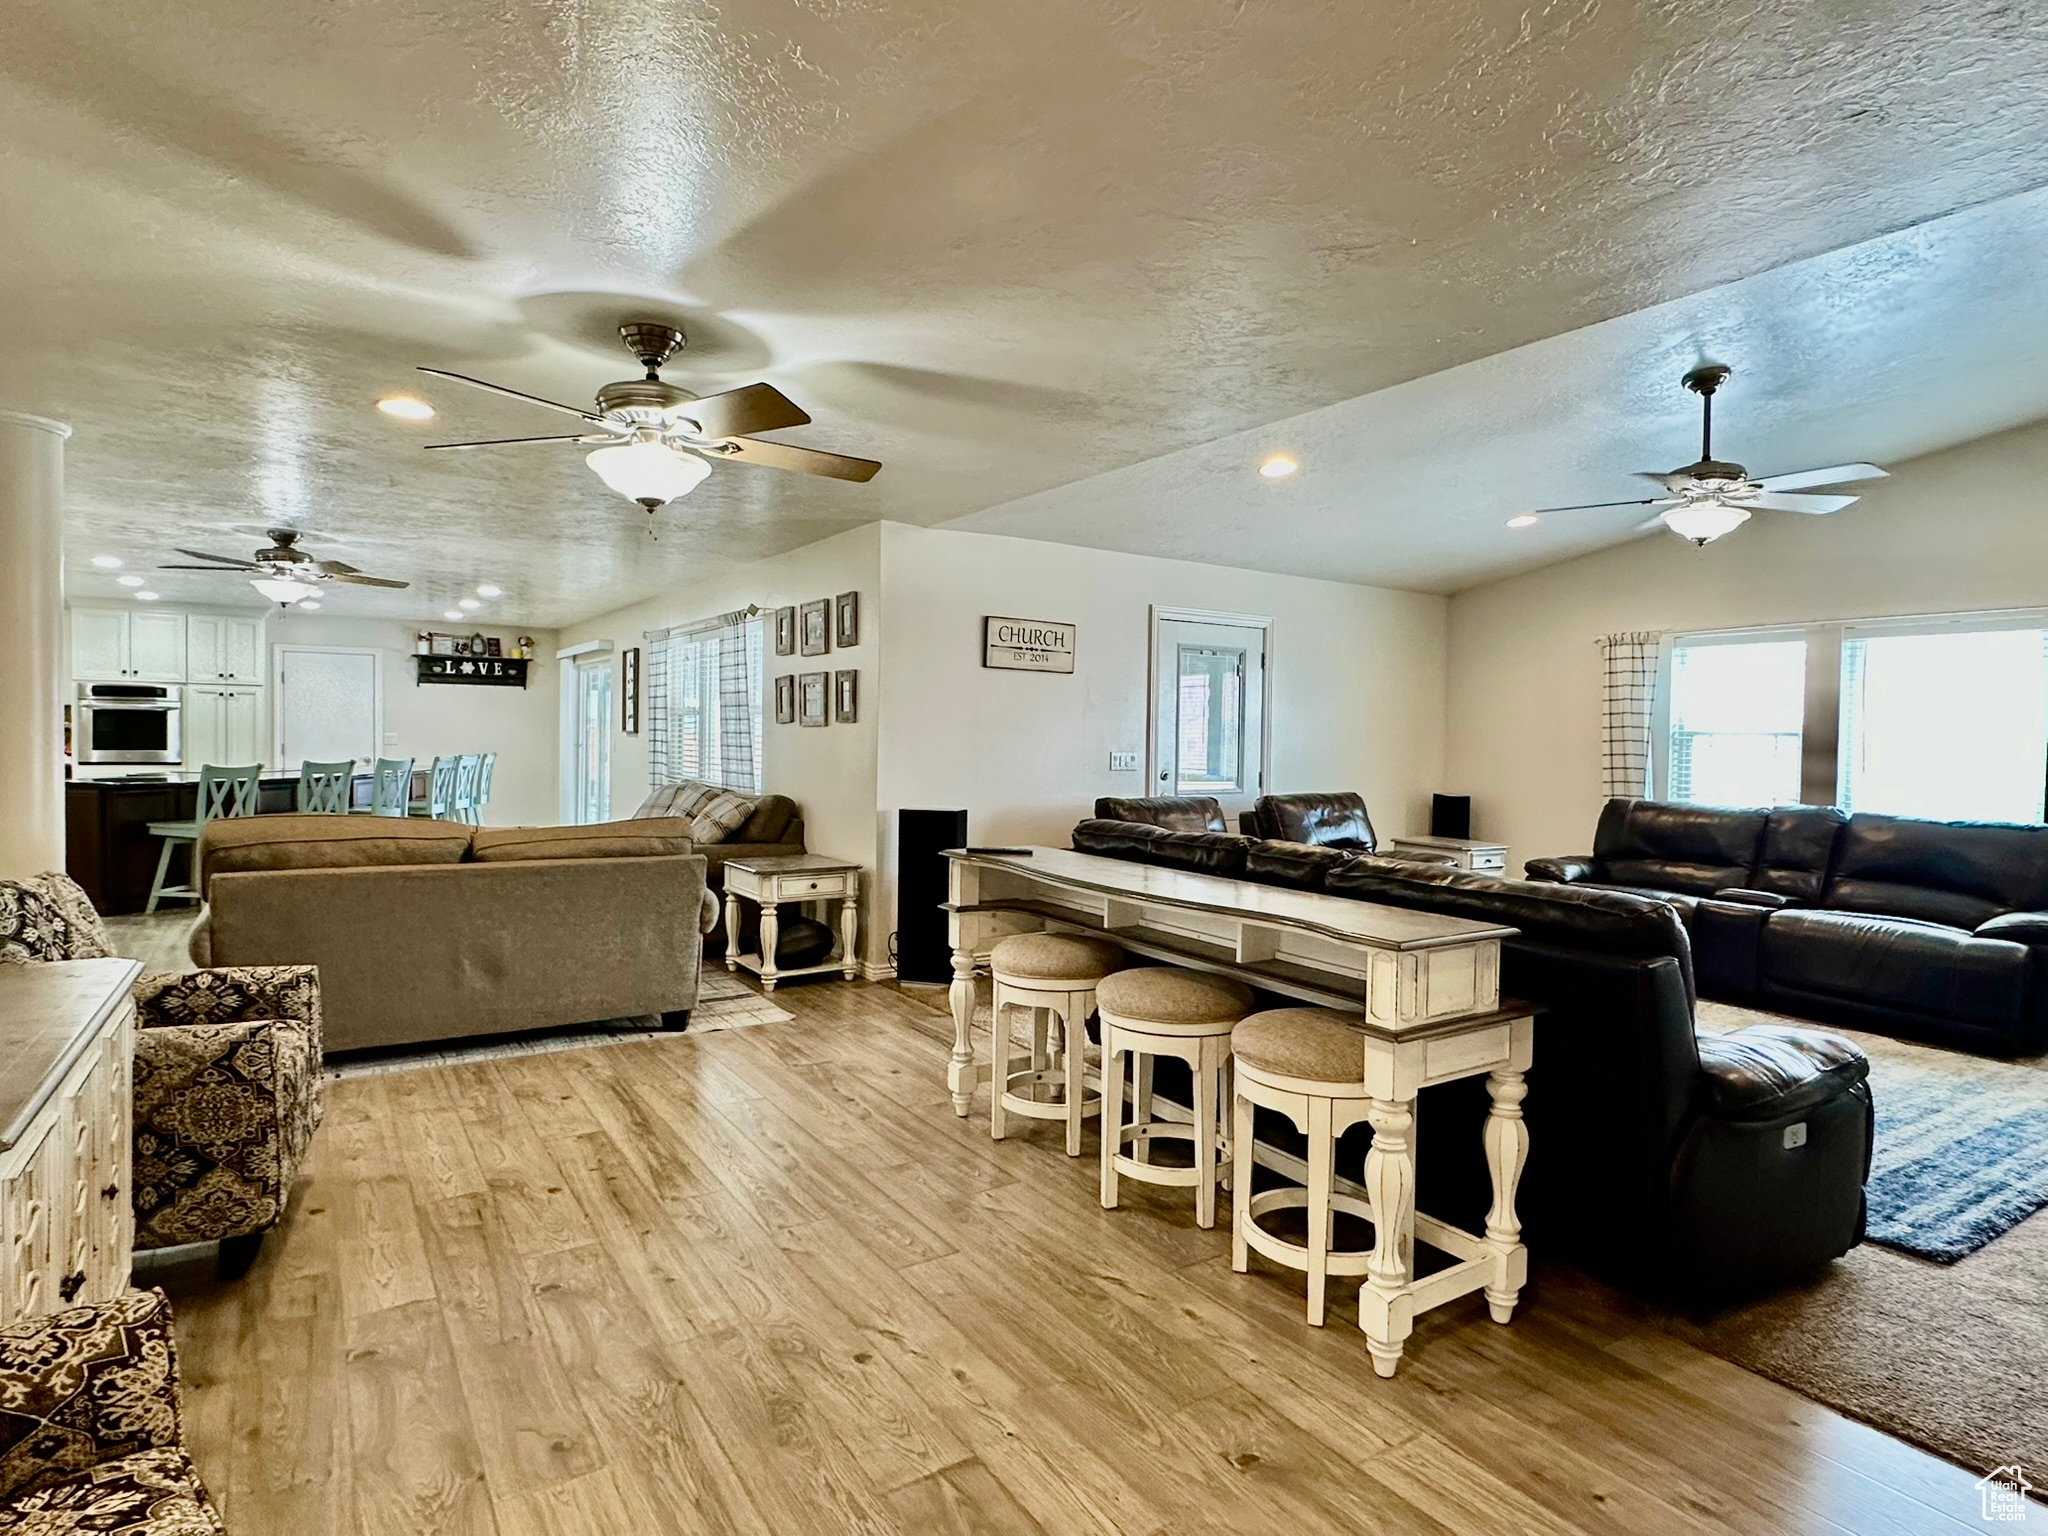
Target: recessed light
point(1523, 520)
point(1279, 467)
point(129, 581)
point(406, 408)
point(487, 590)
point(468, 602)
point(145, 597)
point(456, 614)
point(107, 562)
point(309, 604)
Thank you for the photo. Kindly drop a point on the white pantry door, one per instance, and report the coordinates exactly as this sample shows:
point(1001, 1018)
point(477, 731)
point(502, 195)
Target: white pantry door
point(329, 705)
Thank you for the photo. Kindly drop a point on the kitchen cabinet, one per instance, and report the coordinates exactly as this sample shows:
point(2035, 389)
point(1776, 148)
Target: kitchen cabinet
point(222, 649)
point(223, 726)
point(119, 644)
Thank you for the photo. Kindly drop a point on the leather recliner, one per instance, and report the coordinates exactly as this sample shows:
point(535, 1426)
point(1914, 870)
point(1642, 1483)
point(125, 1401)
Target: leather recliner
point(1175, 813)
point(1330, 820)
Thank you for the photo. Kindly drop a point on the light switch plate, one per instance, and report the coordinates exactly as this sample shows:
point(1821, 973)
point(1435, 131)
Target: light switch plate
point(1123, 762)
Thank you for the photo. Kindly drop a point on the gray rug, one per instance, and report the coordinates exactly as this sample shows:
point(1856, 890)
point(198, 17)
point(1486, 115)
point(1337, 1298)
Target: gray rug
point(1946, 1355)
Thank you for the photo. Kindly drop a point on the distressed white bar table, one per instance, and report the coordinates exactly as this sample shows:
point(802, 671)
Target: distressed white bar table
point(1425, 989)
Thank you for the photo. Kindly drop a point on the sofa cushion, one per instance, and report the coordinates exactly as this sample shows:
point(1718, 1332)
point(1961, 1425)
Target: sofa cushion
point(1295, 865)
point(720, 816)
point(231, 845)
point(600, 840)
point(1897, 963)
point(1797, 847)
point(1769, 1071)
point(1176, 813)
point(1956, 873)
point(1212, 853)
point(1317, 819)
point(151, 1493)
point(1672, 847)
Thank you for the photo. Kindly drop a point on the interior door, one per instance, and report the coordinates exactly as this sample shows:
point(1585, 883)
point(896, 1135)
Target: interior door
point(328, 705)
point(593, 744)
point(1208, 706)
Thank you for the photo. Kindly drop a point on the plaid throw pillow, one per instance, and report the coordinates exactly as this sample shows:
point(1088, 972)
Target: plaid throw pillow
point(683, 799)
point(718, 818)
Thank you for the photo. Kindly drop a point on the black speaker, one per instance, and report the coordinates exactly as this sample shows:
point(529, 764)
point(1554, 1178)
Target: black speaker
point(1450, 815)
point(923, 952)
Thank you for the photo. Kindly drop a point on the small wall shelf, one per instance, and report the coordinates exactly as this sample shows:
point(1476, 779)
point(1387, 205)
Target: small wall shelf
point(476, 671)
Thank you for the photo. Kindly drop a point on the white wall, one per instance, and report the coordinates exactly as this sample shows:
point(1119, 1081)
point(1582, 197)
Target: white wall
point(446, 719)
point(829, 771)
point(1357, 683)
point(1956, 531)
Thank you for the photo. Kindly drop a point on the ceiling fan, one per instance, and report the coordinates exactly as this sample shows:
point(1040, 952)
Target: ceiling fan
point(287, 573)
point(653, 441)
point(1703, 501)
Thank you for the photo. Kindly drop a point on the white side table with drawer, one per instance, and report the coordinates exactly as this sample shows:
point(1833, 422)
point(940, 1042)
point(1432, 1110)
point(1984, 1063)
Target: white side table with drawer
point(800, 877)
point(1480, 858)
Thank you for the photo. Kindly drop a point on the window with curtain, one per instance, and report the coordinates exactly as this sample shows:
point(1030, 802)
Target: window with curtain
point(1737, 718)
point(704, 703)
point(1950, 724)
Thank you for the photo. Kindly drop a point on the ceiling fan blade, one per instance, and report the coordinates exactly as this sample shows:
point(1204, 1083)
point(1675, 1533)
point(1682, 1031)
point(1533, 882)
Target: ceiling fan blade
point(753, 408)
point(516, 394)
point(1841, 474)
point(356, 580)
point(335, 568)
point(807, 461)
point(200, 554)
point(1670, 480)
point(209, 567)
point(1594, 506)
point(501, 442)
point(1777, 501)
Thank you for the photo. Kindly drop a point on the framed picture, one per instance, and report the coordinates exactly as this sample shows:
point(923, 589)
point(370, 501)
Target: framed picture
point(785, 699)
point(494, 647)
point(846, 696)
point(444, 645)
point(629, 691)
point(785, 631)
point(846, 620)
point(814, 628)
point(812, 705)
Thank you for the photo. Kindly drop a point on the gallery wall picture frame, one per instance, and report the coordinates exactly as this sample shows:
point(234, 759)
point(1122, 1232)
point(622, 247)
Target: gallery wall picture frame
point(785, 699)
point(814, 628)
point(813, 699)
point(629, 690)
point(846, 696)
point(846, 620)
point(785, 631)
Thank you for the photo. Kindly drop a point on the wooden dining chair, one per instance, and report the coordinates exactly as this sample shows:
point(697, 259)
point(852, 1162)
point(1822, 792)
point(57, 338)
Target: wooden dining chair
point(390, 786)
point(325, 788)
point(466, 769)
point(440, 801)
point(222, 792)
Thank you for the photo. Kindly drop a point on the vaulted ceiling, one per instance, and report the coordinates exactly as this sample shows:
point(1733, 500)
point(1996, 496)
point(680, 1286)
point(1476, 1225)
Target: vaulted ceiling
point(1002, 248)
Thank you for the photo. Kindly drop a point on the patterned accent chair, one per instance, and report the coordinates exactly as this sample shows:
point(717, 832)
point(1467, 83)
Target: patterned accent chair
point(227, 1078)
point(90, 1434)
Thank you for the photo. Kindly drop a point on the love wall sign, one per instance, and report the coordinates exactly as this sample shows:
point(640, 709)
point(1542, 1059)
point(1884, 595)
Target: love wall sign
point(1027, 645)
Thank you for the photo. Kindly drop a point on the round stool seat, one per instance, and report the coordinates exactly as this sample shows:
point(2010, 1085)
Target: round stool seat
point(1172, 1000)
point(1316, 1045)
point(1054, 957)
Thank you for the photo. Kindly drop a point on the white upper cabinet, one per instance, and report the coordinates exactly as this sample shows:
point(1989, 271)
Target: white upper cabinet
point(156, 646)
point(223, 649)
point(99, 644)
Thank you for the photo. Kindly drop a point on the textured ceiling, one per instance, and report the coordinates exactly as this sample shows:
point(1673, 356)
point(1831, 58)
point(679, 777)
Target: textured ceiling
point(1000, 247)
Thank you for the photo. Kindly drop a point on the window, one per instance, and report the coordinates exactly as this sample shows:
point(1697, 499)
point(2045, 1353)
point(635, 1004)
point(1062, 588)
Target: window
point(1949, 724)
point(1737, 710)
point(704, 704)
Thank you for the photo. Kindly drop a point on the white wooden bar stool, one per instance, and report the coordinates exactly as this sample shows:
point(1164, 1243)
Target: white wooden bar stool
point(1309, 1064)
point(1159, 1010)
point(1054, 975)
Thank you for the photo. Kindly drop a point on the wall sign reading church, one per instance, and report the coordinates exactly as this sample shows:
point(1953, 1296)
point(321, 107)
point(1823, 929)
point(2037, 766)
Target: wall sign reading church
point(1027, 645)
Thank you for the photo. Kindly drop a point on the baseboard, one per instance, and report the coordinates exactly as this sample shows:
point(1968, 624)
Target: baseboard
point(877, 970)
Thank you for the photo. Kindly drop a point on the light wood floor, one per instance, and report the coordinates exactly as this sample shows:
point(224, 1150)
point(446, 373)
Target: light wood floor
point(765, 1281)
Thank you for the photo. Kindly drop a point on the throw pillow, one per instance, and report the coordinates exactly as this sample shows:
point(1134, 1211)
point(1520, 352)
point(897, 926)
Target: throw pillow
point(717, 819)
point(684, 798)
point(32, 927)
point(88, 934)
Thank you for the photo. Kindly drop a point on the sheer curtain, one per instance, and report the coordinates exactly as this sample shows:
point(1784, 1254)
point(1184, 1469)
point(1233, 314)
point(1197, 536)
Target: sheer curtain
point(704, 702)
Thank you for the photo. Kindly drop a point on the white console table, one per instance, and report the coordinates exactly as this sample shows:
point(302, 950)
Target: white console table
point(1425, 989)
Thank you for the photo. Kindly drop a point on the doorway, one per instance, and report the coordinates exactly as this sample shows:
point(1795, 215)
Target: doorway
point(592, 741)
point(1208, 709)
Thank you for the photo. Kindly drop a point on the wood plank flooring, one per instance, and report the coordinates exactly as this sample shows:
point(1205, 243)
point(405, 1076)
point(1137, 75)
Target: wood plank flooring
point(764, 1280)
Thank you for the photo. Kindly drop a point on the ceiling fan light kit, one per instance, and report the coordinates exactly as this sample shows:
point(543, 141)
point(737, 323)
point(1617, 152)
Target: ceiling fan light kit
point(653, 441)
point(1712, 498)
point(281, 589)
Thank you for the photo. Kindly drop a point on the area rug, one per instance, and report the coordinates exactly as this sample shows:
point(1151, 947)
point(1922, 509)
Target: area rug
point(723, 1002)
point(1947, 1355)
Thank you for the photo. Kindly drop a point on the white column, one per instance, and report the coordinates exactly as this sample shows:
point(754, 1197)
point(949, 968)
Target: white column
point(32, 643)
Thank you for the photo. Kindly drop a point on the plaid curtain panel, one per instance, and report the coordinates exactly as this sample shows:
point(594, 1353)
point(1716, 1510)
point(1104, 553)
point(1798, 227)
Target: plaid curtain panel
point(1628, 694)
point(704, 705)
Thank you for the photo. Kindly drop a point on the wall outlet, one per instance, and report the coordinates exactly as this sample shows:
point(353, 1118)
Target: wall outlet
point(1123, 762)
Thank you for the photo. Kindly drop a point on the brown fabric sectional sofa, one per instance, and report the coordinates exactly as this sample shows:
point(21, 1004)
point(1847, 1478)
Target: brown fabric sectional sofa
point(432, 930)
